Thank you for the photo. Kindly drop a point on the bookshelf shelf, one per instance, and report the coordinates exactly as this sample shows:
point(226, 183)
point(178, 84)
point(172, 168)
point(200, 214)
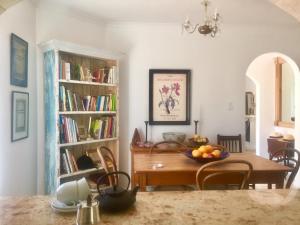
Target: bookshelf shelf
point(87, 83)
point(88, 113)
point(87, 142)
point(76, 108)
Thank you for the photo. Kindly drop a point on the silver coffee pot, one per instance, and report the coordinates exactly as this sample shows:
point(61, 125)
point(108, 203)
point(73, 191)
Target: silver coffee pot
point(88, 212)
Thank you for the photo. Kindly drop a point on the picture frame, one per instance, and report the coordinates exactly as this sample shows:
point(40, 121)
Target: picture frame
point(169, 96)
point(249, 103)
point(20, 115)
point(18, 61)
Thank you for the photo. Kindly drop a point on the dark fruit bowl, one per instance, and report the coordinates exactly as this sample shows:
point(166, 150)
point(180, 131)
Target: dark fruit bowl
point(188, 153)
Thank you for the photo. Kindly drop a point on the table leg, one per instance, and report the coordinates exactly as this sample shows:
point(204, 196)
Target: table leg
point(140, 180)
point(280, 183)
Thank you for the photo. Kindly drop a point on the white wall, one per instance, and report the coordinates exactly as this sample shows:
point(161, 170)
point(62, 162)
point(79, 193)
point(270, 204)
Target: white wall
point(64, 26)
point(18, 161)
point(218, 71)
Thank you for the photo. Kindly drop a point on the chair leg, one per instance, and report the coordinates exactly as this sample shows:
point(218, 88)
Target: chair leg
point(269, 186)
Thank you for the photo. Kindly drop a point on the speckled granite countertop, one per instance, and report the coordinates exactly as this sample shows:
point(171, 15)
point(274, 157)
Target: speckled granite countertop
point(251, 207)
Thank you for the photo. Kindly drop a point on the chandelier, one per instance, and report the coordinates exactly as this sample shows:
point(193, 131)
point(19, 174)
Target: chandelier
point(210, 24)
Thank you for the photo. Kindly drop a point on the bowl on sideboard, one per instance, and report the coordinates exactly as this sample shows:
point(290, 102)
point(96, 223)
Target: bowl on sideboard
point(174, 136)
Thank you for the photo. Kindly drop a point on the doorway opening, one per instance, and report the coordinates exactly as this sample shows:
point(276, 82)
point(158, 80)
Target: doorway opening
point(260, 79)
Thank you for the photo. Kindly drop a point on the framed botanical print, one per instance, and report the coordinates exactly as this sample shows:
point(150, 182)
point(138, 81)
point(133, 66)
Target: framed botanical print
point(169, 97)
point(18, 61)
point(20, 115)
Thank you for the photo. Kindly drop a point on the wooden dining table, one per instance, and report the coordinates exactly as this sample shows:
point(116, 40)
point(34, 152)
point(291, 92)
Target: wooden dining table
point(177, 169)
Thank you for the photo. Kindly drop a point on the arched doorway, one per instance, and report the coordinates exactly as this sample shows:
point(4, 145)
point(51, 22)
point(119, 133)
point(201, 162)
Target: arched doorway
point(262, 72)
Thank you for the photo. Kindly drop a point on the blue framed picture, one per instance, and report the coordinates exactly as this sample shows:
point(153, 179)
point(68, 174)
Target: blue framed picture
point(20, 115)
point(18, 61)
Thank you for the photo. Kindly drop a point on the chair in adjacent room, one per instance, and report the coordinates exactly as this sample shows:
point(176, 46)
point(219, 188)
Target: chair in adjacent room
point(211, 177)
point(288, 157)
point(232, 144)
point(274, 145)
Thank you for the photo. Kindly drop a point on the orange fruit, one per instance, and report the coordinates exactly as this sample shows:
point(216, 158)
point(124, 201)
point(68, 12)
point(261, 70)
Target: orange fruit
point(196, 153)
point(202, 149)
point(209, 148)
point(216, 153)
point(205, 155)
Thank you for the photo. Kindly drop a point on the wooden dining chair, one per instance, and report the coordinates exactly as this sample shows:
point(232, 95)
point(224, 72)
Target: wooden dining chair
point(275, 145)
point(232, 144)
point(167, 146)
point(210, 175)
point(288, 157)
point(108, 163)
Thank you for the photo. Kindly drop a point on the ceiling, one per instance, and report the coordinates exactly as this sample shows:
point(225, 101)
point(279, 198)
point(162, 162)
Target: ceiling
point(168, 11)
point(292, 7)
point(5, 4)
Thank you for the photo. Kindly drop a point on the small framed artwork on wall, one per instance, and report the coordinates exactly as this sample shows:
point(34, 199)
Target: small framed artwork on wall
point(18, 61)
point(20, 115)
point(169, 97)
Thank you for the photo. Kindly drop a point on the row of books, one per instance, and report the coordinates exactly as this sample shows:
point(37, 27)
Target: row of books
point(103, 128)
point(98, 128)
point(68, 130)
point(68, 162)
point(70, 101)
point(74, 71)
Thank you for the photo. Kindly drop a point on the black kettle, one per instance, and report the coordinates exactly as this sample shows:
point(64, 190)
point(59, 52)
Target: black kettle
point(115, 198)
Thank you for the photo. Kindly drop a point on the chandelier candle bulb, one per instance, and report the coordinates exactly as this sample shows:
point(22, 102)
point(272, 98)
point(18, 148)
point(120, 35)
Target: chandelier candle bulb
point(216, 13)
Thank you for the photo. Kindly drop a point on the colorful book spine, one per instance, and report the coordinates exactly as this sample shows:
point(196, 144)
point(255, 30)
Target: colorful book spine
point(70, 162)
point(68, 130)
point(67, 71)
point(65, 163)
point(102, 103)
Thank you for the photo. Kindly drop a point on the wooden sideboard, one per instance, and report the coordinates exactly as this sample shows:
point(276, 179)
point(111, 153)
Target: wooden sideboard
point(275, 144)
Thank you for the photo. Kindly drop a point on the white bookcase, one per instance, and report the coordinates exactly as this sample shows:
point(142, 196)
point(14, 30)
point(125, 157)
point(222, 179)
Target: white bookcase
point(70, 112)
